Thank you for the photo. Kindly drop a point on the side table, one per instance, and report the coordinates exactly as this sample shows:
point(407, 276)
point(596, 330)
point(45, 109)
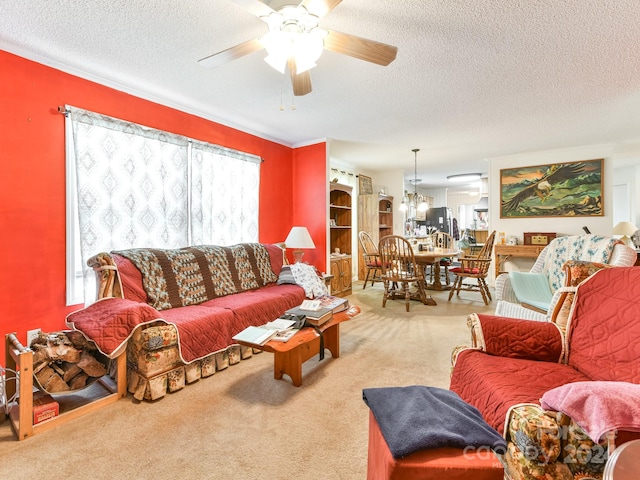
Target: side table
point(503, 252)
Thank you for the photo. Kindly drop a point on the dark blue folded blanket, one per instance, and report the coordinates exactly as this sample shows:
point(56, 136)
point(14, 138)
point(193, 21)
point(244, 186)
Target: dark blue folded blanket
point(417, 417)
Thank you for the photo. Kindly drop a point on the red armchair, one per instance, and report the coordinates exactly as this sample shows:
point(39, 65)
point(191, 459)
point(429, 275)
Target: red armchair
point(512, 363)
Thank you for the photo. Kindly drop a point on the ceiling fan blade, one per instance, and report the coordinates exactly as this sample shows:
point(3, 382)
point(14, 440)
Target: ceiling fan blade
point(233, 53)
point(256, 7)
point(301, 81)
point(320, 8)
point(362, 48)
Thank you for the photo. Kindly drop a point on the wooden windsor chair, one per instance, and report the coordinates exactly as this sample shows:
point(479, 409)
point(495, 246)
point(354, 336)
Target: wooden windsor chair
point(474, 267)
point(399, 268)
point(371, 258)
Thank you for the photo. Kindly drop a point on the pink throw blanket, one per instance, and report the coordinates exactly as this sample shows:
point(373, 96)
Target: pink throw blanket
point(597, 407)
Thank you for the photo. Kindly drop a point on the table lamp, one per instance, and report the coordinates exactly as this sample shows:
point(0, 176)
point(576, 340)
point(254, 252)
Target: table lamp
point(297, 239)
point(626, 229)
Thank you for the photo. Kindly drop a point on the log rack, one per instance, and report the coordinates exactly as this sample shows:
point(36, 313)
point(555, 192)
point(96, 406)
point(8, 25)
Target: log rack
point(19, 358)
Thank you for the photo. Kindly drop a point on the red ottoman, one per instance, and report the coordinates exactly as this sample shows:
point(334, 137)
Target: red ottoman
point(438, 463)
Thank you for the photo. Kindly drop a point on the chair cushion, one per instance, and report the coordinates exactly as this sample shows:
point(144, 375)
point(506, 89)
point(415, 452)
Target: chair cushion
point(493, 384)
point(532, 289)
point(473, 271)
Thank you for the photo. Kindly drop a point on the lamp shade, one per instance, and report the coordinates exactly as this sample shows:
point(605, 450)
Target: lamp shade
point(299, 237)
point(625, 228)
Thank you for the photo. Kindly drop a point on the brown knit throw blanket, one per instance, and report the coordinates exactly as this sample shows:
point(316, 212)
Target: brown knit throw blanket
point(192, 275)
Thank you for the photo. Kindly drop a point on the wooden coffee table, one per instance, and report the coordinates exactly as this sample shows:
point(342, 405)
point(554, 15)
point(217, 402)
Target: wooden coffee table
point(289, 356)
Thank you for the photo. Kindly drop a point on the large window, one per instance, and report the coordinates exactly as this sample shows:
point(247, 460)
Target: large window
point(131, 186)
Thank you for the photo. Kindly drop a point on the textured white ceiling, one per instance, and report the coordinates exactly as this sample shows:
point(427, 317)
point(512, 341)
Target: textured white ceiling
point(473, 79)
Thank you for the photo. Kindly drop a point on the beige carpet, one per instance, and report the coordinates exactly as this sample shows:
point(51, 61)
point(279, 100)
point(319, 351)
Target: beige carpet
point(243, 424)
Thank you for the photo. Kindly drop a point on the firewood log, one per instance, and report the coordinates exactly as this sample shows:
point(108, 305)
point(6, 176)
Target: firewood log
point(56, 384)
point(51, 381)
point(70, 370)
point(79, 341)
point(91, 366)
point(79, 381)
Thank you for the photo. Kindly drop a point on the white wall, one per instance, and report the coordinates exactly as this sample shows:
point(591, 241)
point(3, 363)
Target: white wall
point(603, 225)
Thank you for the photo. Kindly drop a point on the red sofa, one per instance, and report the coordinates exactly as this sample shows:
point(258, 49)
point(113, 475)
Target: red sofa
point(514, 363)
point(176, 311)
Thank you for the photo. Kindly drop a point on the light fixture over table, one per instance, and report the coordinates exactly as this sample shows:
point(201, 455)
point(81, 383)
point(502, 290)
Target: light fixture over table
point(464, 177)
point(298, 239)
point(417, 201)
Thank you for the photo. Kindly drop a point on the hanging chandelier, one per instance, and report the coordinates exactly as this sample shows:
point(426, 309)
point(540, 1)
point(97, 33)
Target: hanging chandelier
point(415, 200)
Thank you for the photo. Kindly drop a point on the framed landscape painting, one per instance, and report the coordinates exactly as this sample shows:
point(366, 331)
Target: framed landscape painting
point(571, 189)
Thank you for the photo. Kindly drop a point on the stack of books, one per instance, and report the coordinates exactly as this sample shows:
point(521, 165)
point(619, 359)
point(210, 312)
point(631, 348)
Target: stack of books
point(317, 312)
point(320, 310)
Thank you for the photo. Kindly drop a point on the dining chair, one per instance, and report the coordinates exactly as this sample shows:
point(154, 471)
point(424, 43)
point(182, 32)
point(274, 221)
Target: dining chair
point(474, 267)
point(442, 240)
point(399, 266)
point(371, 258)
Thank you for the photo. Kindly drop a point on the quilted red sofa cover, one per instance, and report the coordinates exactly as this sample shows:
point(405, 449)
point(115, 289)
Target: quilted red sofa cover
point(168, 348)
point(516, 361)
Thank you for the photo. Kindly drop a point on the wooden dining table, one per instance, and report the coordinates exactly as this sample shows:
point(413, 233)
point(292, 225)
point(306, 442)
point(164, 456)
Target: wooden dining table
point(433, 257)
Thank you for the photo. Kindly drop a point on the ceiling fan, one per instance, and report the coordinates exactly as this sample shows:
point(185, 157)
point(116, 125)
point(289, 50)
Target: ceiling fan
point(295, 41)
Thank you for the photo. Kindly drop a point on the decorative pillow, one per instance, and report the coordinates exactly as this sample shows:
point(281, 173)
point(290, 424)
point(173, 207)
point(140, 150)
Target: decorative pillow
point(286, 276)
point(598, 407)
point(576, 272)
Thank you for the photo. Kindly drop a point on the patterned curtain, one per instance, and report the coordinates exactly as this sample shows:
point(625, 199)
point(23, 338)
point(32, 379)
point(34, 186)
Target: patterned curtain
point(224, 197)
point(138, 187)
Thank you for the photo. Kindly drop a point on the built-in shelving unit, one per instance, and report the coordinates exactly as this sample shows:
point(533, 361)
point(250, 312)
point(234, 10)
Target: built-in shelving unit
point(375, 216)
point(341, 236)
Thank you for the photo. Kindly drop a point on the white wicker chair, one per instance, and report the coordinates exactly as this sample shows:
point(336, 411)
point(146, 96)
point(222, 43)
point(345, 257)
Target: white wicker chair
point(507, 302)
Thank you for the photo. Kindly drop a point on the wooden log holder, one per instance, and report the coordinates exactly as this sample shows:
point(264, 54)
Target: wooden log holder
point(102, 392)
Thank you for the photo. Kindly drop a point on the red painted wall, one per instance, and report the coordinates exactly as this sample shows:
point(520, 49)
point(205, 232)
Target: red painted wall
point(310, 164)
point(32, 182)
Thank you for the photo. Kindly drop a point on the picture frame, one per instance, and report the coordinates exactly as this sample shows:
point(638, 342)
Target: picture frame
point(567, 189)
point(365, 187)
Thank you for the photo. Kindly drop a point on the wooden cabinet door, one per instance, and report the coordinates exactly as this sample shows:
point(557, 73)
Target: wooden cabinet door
point(341, 281)
point(335, 281)
point(345, 275)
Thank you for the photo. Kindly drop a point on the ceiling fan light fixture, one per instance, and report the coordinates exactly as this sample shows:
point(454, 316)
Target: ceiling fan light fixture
point(293, 33)
point(307, 49)
point(277, 62)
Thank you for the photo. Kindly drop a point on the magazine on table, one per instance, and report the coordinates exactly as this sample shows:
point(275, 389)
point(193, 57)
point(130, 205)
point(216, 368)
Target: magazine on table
point(284, 328)
point(279, 329)
point(336, 304)
point(255, 335)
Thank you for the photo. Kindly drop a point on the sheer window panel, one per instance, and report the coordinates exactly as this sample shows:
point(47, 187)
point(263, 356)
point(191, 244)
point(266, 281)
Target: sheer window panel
point(131, 188)
point(224, 195)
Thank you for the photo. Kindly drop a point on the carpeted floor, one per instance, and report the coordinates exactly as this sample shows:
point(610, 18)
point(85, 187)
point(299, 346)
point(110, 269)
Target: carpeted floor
point(241, 423)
